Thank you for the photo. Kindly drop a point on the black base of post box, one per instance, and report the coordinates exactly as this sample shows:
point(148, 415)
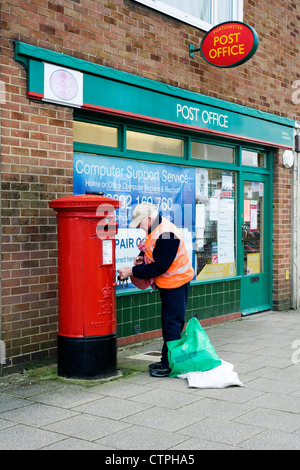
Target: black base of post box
point(88, 357)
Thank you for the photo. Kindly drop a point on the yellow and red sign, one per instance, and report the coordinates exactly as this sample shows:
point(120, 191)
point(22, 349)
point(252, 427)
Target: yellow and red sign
point(229, 44)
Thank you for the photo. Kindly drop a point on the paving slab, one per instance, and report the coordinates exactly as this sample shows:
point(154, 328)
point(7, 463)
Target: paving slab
point(37, 414)
point(221, 431)
point(86, 426)
point(22, 437)
point(142, 438)
point(112, 407)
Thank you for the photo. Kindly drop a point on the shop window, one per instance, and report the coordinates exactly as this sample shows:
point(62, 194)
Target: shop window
point(143, 142)
point(212, 152)
point(255, 159)
point(215, 224)
point(95, 134)
point(200, 13)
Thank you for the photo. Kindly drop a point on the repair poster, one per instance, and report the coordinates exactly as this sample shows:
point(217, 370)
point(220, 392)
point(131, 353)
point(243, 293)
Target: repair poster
point(170, 188)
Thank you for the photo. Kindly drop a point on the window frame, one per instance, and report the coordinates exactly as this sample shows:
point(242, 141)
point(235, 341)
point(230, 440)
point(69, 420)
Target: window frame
point(211, 227)
point(236, 5)
point(239, 170)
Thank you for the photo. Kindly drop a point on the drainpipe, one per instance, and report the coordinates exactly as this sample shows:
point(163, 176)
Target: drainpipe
point(2, 101)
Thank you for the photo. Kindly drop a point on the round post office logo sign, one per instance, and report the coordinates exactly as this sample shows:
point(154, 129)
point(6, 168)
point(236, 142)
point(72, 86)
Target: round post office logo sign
point(63, 84)
point(229, 44)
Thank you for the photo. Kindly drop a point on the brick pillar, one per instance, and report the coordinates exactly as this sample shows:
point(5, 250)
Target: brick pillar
point(282, 218)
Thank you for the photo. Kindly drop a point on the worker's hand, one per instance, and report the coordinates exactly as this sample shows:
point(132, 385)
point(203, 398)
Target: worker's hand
point(125, 272)
point(138, 260)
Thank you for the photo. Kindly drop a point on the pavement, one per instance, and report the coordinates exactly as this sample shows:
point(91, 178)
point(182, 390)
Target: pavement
point(135, 411)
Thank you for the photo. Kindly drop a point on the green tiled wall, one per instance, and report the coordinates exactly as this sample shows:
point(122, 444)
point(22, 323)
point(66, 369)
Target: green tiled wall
point(140, 312)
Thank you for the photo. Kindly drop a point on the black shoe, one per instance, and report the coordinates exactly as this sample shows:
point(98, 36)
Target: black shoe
point(160, 372)
point(155, 365)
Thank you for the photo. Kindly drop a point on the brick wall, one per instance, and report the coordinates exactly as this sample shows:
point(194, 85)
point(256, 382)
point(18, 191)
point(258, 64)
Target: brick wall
point(36, 138)
point(282, 243)
point(36, 166)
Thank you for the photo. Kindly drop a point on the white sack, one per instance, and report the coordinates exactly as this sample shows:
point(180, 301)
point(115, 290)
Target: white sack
point(221, 376)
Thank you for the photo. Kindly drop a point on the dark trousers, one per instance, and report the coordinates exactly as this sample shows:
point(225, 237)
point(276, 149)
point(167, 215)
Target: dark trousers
point(173, 308)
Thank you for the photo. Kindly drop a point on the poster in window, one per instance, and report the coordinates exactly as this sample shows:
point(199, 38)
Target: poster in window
point(227, 185)
point(253, 216)
point(201, 184)
point(226, 231)
point(261, 189)
point(246, 210)
point(253, 263)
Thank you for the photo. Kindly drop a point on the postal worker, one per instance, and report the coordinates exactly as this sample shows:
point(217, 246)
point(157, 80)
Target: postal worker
point(168, 263)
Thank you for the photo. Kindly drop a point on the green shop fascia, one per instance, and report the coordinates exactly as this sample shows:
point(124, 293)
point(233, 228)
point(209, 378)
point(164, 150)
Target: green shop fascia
point(204, 162)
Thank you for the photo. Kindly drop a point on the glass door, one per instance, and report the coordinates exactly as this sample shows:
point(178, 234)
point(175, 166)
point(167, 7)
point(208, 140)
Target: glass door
point(256, 244)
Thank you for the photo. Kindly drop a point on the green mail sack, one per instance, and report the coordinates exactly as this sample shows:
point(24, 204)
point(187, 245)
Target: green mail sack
point(192, 352)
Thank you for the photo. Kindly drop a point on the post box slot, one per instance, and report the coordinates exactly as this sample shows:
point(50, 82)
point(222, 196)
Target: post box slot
point(103, 228)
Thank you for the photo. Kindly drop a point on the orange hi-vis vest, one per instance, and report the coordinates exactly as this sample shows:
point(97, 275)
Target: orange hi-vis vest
point(181, 271)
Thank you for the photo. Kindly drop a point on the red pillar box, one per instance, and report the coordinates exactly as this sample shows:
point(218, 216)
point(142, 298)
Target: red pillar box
point(87, 336)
